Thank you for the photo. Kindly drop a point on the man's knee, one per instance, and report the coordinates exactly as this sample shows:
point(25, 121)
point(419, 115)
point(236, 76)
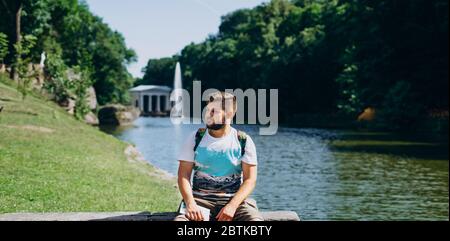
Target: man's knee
point(253, 215)
point(248, 211)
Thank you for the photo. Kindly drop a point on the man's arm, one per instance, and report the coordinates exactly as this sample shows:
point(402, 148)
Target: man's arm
point(249, 182)
point(184, 184)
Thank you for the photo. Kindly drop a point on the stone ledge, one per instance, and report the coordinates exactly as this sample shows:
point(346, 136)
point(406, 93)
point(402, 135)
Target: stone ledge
point(125, 216)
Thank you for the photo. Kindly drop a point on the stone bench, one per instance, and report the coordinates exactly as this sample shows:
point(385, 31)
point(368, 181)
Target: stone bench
point(124, 216)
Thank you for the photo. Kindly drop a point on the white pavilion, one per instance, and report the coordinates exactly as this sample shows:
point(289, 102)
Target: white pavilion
point(152, 99)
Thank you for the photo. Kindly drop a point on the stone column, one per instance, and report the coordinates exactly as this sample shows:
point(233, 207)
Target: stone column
point(149, 103)
point(158, 103)
point(141, 102)
point(168, 107)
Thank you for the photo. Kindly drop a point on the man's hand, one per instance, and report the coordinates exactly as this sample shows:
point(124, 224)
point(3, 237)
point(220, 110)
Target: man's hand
point(193, 212)
point(227, 213)
point(184, 176)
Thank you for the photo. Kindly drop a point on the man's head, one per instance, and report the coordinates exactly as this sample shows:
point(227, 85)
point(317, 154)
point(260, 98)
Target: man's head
point(220, 110)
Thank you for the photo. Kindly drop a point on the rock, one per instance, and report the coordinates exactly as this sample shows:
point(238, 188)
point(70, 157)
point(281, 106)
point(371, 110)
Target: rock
point(117, 115)
point(91, 98)
point(133, 155)
point(91, 119)
point(69, 105)
point(38, 80)
point(72, 75)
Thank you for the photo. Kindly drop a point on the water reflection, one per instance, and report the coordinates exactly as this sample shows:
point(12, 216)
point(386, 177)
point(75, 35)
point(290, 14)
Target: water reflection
point(326, 174)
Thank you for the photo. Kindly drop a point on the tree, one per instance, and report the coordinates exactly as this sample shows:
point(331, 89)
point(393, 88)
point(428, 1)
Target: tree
point(86, 42)
point(328, 57)
point(13, 9)
point(158, 72)
point(24, 75)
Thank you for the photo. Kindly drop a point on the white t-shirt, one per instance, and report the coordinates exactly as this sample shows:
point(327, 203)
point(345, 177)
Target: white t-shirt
point(218, 162)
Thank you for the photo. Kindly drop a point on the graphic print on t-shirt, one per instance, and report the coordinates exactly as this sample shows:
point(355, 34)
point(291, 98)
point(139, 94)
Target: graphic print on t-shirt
point(217, 170)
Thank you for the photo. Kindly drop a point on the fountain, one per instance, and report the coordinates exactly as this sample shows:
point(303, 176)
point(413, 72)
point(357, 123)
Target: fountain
point(176, 96)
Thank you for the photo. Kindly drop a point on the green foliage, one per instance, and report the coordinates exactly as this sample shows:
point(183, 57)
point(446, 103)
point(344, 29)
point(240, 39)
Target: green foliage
point(25, 75)
point(66, 83)
point(399, 109)
point(350, 101)
point(158, 72)
point(327, 57)
point(57, 82)
point(80, 89)
point(85, 42)
point(92, 45)
point(3, 47)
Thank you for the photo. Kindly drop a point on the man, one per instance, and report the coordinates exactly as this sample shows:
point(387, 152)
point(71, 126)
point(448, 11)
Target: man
point(224, 164)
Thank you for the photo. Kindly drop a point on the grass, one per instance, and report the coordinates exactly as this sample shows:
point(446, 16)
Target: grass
point(50, 162)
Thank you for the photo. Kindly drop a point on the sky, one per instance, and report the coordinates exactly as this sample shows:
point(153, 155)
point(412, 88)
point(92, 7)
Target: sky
point(161, 28)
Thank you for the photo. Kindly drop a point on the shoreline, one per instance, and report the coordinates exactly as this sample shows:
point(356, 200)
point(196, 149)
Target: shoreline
point(134, 155)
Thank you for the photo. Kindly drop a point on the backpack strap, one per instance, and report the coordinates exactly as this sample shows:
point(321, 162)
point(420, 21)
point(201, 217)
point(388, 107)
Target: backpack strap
point(242, 137)
point(199, 136)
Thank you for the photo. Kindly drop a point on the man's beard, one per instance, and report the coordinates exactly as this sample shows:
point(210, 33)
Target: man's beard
point(215, 126)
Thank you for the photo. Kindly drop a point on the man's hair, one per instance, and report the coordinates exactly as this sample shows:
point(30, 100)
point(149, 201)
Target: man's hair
point(225, 98)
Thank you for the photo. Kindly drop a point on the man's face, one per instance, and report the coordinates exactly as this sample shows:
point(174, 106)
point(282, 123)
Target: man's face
point(215, 115)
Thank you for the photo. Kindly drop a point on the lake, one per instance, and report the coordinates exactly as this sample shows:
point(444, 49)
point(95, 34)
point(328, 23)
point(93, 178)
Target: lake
point(325, 174)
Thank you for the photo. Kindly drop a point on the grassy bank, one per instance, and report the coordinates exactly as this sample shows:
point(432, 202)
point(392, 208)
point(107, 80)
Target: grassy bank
point(51, 162)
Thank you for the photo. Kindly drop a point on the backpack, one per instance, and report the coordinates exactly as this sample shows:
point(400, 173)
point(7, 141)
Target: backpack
point(242, 137)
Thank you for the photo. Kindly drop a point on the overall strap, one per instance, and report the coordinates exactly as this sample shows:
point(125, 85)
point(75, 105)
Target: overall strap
point(198, 137)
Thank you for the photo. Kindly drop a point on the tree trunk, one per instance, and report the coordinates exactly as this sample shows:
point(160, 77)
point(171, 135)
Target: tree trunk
point(18, 35)
point(18, 16)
